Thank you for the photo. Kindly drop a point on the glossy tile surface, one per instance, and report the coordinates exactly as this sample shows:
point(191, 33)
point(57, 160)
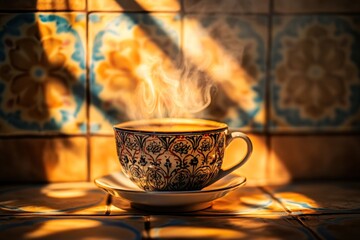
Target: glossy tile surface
point(315, 84)
point(313, 157)
point(235, 65)
point(42, 73)
point(326, 197)
point(245, 201)
point(226, 228)
point(29, 160)
point(316, 6)
point(52, 199)
point(80, 210)
point(227, 6)
point(334, 226)
point(79, 227)
point(125, 50)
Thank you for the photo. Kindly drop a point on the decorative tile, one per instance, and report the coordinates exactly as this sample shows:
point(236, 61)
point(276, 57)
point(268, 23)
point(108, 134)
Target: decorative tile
point(103, 155)
point(321, 197)
point(315, 73)
point(43, 159)
point(245, 201)
point(227, 6)
point(313, 157)
point(79, 227)
point(126, 53)
point(134, 6)
point(43, 5)
point(255, 169)
point(42, 73)
point(334, 226)
point(231, 51)
point(316, 6)
point(271, 227)
point(54, 199)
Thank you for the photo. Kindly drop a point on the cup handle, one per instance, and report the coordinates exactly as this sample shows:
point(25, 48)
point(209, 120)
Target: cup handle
point(229, 138)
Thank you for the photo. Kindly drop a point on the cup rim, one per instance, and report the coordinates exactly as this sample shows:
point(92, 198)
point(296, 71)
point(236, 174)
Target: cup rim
point(127, 126)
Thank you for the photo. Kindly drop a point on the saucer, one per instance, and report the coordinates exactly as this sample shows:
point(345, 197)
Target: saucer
point(118, 185)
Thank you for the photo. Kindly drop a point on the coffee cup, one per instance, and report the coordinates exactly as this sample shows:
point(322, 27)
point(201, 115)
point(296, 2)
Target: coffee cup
point(175, 154)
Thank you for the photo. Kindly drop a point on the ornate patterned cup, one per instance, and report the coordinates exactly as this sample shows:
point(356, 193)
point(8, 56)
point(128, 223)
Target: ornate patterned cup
point(175, 154)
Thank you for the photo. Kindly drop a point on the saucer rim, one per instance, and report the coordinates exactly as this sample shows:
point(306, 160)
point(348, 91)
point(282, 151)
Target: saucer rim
point(201, 191)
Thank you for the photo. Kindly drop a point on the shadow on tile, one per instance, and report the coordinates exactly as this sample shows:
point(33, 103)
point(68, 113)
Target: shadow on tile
point(227, 228)
point(54, 199)
point(72, 228)
point(319, 197)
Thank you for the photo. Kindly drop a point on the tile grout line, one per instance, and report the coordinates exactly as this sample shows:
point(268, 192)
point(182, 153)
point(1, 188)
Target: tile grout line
point(306, 227)
point(289, 212)
point(263, 189)
point(267, 92)
point(88, 98)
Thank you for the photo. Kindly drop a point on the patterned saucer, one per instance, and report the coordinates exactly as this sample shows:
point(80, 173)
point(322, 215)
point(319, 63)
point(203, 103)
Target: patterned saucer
point(118, 185)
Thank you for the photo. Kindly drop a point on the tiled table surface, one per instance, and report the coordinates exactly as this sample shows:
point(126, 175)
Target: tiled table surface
point(314, 210)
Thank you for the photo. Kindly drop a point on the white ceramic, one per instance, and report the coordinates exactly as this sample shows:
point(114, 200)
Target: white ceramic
point(118, 185)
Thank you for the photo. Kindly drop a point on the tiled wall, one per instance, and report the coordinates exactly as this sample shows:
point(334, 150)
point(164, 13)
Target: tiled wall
point(285, 72)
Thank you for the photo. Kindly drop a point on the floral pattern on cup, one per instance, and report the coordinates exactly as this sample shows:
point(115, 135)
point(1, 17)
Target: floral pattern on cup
point(170, 162)
point(42, 72)
point(315, 82)
point(121, 46)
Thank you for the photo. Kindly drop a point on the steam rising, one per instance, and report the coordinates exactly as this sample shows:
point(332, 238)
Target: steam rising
point(179, 91)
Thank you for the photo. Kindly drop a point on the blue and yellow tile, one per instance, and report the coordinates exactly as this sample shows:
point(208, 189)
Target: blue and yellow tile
point(42, 73)
point(270, 227)
point(245, 201)
point(231, 51)
point(79, 227)
point(53, 199)
point(126, 50)
point(315, 73)
point(325, 197)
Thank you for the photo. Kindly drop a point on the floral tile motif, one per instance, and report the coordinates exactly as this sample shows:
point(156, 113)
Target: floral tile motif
point(54, 199)
point(231, 50)
point(330, 197)
point(124, 49)
point(315, 73)
point(43, 5)
point(42, 73)
point(133, 6)
point(220, 227)
point(338, 226)
point(76, 227)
